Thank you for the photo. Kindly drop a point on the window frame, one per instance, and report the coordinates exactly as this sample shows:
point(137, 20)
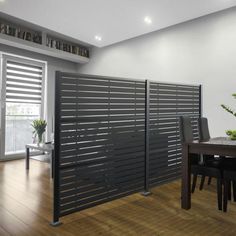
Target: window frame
point(5, 57)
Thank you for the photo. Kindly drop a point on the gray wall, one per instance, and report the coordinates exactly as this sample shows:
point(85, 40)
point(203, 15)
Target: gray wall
point(53, 65)
point(200, 51)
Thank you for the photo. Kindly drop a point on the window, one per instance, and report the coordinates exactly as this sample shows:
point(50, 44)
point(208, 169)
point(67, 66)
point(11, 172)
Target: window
point(24, 80)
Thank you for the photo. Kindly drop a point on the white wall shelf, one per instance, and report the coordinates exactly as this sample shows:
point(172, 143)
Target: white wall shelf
point(42, 49)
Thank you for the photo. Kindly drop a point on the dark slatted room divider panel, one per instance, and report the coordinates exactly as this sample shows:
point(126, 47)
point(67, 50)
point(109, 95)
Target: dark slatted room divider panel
point(167, 103)
point(101, 139)
point(105, 129)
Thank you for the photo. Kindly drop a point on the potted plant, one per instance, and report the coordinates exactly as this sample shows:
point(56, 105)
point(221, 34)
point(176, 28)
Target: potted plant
point(230, 133)
point(39, 128)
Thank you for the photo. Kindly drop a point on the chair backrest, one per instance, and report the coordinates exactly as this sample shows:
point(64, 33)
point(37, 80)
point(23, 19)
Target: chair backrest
point(204, 134)
point(185, 128)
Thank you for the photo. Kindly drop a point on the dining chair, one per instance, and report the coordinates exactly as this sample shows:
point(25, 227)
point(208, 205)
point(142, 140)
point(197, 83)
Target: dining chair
point(229, 176)
point(209, 160)
point(197, 166)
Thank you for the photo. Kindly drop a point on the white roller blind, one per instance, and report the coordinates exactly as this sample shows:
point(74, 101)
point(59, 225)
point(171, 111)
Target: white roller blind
point(23, 83)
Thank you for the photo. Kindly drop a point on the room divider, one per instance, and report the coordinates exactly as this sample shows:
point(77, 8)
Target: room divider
point(115, 137)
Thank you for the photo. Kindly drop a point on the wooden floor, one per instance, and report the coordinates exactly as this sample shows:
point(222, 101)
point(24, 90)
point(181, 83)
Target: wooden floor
point(26, 207)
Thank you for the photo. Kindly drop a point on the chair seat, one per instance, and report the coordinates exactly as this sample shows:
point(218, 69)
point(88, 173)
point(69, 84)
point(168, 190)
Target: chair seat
point(206, 171)
point(229, 164)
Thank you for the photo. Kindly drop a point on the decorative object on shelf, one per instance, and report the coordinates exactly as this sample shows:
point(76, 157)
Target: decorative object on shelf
point(230, 133)
point(20, 32)
point(39, 129)
point(67, 47)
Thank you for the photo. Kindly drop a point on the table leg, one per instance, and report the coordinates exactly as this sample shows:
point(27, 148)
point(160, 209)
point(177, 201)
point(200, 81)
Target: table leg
point(186, 179)
point(27, 158)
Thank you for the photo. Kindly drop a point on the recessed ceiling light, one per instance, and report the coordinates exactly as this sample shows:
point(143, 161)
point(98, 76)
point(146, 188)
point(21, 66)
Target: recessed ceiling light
point(148, 20)
point(98, 38)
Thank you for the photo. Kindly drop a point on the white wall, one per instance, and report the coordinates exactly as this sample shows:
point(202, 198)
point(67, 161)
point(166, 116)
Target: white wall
point(200, 51)
point(53, 65)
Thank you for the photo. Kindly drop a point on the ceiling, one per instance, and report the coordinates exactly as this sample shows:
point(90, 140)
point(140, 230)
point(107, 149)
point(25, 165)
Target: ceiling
point(113, 20)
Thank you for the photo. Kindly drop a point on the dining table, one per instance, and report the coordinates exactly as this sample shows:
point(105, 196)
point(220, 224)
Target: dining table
point(222, 146)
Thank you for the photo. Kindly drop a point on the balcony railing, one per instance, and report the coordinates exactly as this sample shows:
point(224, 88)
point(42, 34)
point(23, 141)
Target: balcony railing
point(18, 132)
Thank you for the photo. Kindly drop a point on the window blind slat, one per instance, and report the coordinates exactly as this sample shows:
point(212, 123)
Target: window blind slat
point(15, 74)
point(25, 70)
point(9, 63)
point(22, 81)
point(23, 92)
point(18, 86)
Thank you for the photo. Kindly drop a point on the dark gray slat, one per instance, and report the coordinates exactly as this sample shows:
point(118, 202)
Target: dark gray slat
point(86, 81)
point(154, 182)
point(87, 156)
point(174, 97)
point(97, 192)
point(22, 98)
point(169, 90)
point(17, 86)
point(112, 82)
point(93, 137)
point(94, 156)
point(83, 186)
point(172, 89)
point(157, 142)
point(103, 100)
point(127, 83)
point(68, 87)
point(160, 163)
point(163, 120)
point(138, 125)
point(121, 149)
point(78, 187)
point(111, 95)
point(29, 70)
point(81, 196)
point(84, 189)
point(159, 94)
point(85, 132)
point(98, 106)
point(69, 140)
point(68, 126)
point(108, 179)
point(23, 64)
point(101, 171)
point(23, 92)
point(22, 81)
point(158, 106)
point(115, 124)
point(167, 174)
point(174, 110)
point(101, 118)
point(93, 202)
point(174, 86)
point(36, 78)
point(127, 111)
point(114, 160)
point(161, 101)
point(116, 117)
point(82, 183)
point(103, 148)
point(126, 89)
point(92, 144)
